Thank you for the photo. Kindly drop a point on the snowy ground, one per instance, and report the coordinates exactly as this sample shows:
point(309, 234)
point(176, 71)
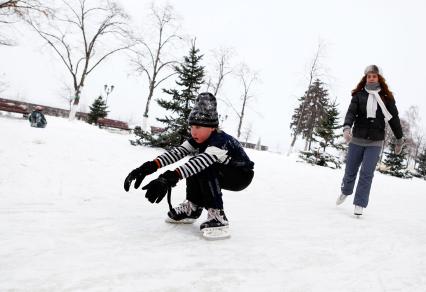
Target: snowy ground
point(66, 224)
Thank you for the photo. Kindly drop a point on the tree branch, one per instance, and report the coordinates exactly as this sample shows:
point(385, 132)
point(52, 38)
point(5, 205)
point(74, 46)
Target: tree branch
point(165, 78)
point(104, 57)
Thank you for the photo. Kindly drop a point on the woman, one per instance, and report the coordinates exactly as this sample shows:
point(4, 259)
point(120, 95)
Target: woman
point(371, 106)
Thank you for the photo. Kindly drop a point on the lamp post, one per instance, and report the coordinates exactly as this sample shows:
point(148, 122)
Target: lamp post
point(108, 89)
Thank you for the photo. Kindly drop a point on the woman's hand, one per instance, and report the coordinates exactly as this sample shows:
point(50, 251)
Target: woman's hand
point(347, 135)
point(398, 146)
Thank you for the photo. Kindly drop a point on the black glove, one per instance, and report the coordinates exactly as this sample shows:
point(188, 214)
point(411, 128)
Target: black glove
point(139, 174)
point(157, 189)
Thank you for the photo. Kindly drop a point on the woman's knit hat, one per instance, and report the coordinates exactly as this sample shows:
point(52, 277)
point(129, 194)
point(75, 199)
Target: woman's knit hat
point(373, 69)
point(204, 112)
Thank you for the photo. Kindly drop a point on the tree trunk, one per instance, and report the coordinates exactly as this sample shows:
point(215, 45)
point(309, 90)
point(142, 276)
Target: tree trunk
point(416, 155)
point(292, 143)
point(145, 123)
point(306, 145)
point(241, 118)
point(311, 130)
point(297, 129)
point(75, 103)
point(73, 111)
point(239, 127)
point(145, 117)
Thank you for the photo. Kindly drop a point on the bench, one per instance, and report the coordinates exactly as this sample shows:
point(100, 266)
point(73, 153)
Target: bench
point(157, 130)
point(113, 124)
point(11, 107)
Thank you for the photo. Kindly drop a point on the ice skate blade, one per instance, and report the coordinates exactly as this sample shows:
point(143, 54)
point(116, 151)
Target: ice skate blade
point(216, 233)
point(183, 221)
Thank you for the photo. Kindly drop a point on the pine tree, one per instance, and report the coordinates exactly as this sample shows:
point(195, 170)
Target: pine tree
point(422, 164)
point(97, 110)
point(310, 112)
point(325, 132)
point(395, 162)
point(325, 135)
point(190, 78)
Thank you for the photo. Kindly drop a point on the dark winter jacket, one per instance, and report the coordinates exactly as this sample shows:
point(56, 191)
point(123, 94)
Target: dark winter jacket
point(370, 128)
point(37, 119)
point(218, 148)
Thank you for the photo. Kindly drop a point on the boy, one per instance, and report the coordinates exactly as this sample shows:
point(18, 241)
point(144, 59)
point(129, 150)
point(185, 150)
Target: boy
point(219, 163)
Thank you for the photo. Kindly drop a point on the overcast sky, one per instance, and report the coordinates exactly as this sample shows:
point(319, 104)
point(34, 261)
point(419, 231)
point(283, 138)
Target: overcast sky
point(276, 38)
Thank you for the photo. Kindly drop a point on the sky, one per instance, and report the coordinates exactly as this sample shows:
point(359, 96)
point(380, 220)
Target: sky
point(277, 39)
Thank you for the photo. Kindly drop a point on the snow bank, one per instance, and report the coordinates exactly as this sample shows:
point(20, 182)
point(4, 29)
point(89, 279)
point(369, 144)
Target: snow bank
point(66, 224)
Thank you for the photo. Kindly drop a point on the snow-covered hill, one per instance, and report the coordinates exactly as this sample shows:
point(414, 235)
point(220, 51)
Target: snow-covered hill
point(66, 224)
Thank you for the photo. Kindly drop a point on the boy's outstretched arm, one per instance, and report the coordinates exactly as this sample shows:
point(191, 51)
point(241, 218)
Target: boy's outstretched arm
point(201, 161)
point(157, 189)
point(162, 160)
point(175, 154)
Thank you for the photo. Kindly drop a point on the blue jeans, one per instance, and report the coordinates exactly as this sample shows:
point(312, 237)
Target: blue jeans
point(366, 157)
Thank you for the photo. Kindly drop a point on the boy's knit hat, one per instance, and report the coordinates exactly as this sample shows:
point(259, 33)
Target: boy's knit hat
point(204, 112)
point(373, 69)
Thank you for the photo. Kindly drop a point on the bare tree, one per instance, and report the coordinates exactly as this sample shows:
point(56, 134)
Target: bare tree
point(314, 73)
point(259, 144)
point(84, 36)
point(412, 117)
point(247, 78)
point(247, 133)
point(12, 11)
point(150, 56)
point(66, 93)
point(419, 138)
point(222, 68)
point(21, 7)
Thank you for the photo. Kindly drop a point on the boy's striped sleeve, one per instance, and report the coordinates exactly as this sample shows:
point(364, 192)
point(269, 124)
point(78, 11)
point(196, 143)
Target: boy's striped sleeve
point(202, 161)
point(174, 154)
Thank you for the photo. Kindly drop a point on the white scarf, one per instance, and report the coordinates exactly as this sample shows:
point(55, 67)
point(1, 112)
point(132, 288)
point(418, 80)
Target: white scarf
point(374, 99)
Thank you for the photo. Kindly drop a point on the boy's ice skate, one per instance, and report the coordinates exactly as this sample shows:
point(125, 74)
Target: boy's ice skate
point(358, 211)
point(185, 213)
point(216, 226)
point(341, 199)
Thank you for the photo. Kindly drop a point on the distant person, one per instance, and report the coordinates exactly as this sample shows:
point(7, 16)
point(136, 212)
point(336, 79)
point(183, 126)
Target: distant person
point(219, 162)
point(372, 105)
point(37, 118)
